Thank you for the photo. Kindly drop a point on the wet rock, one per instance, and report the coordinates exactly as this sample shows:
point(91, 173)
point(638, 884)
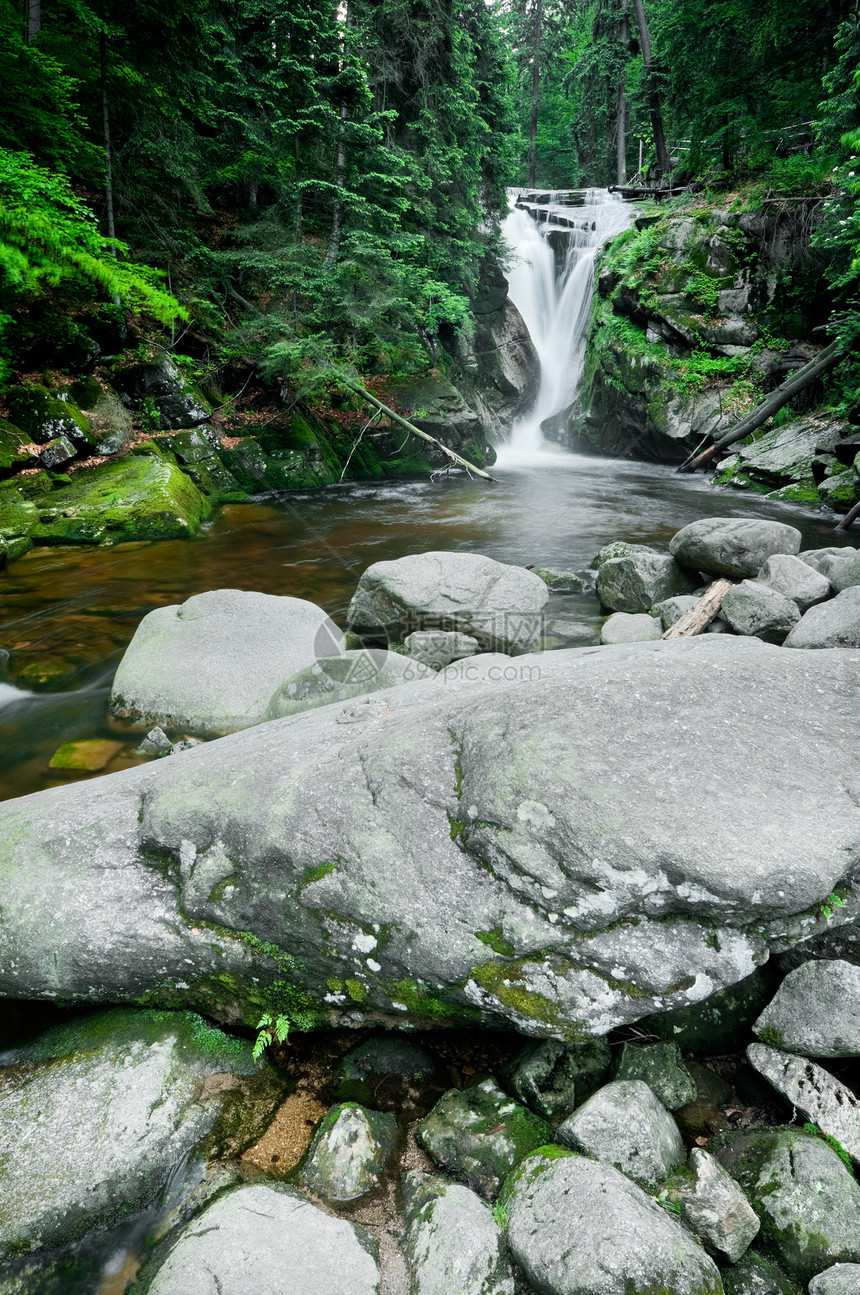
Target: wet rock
point(832, 624)
point(713, 1206)
point(349, 1153)
point(729, 546)
point(625, 628)
point(755, 1274)
point(91, 755)
point(389, 1071)
point(480, 1135)
point(793, 579)
point(636, 582)
point(842, 569)
point(270, 1240)
point(756, 609)
point(670, 610)
point(452, 1243)
point(579, 1227)
point(501, 606)
point(841, 1279)
point(16, 449)
point(619, 549)
point(551, 1077)
point(95, 1115)
point(808, 1202)
point(57, 453)
point(436, 648)
point(160, 382)
point(337, 678)
point(816, 1011)
point(563, 582)
point(625, 1125)
point(812, 1090)
point(660, 1066)
point(211, 664)
point(46, 416)
point(722, 1023)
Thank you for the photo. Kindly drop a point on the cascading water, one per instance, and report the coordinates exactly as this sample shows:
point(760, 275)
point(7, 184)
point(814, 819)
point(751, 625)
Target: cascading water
point(555, 303)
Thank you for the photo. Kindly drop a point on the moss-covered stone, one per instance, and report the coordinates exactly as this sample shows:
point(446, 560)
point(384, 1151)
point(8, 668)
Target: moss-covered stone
point(13, 452)
point(89, 755)
point(44, 416)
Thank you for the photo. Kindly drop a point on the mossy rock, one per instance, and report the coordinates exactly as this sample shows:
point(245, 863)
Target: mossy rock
point(44, 416)
point(137, 498)
point(721, 1023)
point(13, 454)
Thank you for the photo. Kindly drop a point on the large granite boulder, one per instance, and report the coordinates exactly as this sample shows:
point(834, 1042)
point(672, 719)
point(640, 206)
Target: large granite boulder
point(622, 627)
point(211, 664)
point(806, 1199)
point(816, 1011)
point(160, 382)
point(453, 1243)
point(842, 568)
point(579, 1227)
point(731, 546)
point(841, 1279)
point(625, 1125)
point(792, 578)
point(636, 582)
point(713, 1206)
point(811, 1089)
point(500, 606)
point(579, 893)
point(832, 624)
point(269, 1240)
point(95, 1115)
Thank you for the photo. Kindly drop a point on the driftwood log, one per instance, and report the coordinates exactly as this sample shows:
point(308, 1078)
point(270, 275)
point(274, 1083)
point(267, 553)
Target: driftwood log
point(416, 431)
point(698, 618)
point(822, 363)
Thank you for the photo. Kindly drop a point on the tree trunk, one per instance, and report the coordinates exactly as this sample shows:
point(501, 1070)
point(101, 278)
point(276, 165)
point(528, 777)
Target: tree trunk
point(33, 20)
point(698, 618)
point(299, 204)
point(533, 119)
point(416, 431)
point(663, 163)
point(337, 216)
point(823, 362)
point(109, 214)
point(621, 105)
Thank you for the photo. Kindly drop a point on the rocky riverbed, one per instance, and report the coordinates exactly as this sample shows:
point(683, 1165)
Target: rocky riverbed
point(446, 964)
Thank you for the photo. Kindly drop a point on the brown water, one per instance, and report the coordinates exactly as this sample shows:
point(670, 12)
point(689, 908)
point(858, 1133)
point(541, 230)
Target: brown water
point(67, 614)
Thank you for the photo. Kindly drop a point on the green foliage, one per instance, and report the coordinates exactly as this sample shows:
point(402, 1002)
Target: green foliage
point(833, 1143)
point(828, 907)
point(271, 1029)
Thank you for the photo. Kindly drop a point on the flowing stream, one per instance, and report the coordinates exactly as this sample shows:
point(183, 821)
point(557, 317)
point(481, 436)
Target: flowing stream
point(68, 613)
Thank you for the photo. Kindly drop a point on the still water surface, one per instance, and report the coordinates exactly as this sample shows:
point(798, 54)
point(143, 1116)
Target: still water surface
point(67, 614)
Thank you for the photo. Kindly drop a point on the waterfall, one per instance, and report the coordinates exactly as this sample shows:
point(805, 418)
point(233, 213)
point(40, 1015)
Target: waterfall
point(556, 303)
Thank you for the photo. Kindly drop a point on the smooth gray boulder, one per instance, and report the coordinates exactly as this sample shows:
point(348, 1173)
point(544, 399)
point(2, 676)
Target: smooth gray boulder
point(338, 678)
point(438, 648)
point(636, 582)
point(308, 851)
point(625, 1125)
point(713, 1206)
point(816, 1011)
point(670, 610)
point(579, 1227)
point(814, 1091)
point(732, 546)
point(619, 549)
point(210, 665)
point(807, 1201)
point(792, 578)
point(96, 1114)
point(834, 624)
point(564, 582)
point(452, 1244)
point(842, 569)
point(841, 1279)
point(661, 1067)
point(625, 628)
point(552, 1078)
point(349, 1153)
point(480, 1134)
point(815, 557)
point(757, 610)
point(499, 605)
point(269, 1240)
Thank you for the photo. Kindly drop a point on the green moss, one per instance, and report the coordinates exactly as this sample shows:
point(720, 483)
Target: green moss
point(356, 990)
point(773, 1037)
point(335, 985)
point(495, 941)
point(502, 980)
point(310, 875)
point(423, 1002)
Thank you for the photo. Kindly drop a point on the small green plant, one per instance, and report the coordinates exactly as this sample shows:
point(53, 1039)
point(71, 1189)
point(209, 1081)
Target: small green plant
point(664, 1199)
point(502, 1215)
point(828, 906)
point(271, 1028)
point(150, 417)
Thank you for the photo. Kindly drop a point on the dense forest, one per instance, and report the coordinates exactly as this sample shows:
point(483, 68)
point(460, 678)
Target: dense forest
point(274, 191)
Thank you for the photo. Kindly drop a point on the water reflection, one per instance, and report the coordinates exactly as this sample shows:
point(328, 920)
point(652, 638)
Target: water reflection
point(69, 613)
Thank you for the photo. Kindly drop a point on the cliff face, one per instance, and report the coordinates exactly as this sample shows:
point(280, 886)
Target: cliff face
point(696, 314)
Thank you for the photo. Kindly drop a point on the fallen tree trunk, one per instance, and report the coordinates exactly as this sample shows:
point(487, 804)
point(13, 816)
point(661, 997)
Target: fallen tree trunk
point(416, 431)
point(822, 363)
point(698, 618)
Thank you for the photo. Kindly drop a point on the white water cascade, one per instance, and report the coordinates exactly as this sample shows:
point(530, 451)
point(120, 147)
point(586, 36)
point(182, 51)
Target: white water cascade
point(556, 304)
